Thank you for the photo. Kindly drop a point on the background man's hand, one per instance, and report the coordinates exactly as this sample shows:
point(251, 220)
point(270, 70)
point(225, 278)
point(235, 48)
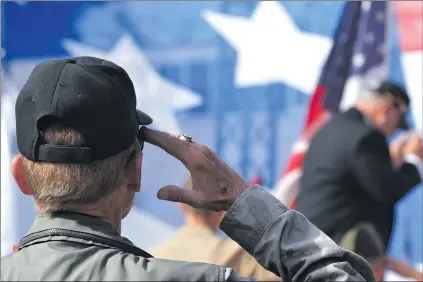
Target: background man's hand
point(414, 145)
point(397, 150)
point(215, 186)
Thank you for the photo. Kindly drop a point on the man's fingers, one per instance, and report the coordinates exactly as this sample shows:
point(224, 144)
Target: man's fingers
point(401, 140)
point(416, 136)
point(175, 194)
point(168, 142)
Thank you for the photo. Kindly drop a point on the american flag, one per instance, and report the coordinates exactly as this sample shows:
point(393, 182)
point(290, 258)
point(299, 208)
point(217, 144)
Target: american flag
point(410, 25)
point(357, 63)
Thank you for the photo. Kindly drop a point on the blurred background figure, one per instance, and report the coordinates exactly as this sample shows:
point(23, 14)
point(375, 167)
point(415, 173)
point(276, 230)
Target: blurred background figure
point(197, 241)
point(402, 271)
point(406, 243)
point(350, 174)
point(366, 242)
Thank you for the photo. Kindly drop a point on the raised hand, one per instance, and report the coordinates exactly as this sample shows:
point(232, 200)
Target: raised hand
point(215, 186)
point(396, 149)
point(414, 145)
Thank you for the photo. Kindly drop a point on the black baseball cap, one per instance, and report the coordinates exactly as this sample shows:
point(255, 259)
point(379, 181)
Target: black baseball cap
point(365, 241)
point(399, 97)
point(93, 96)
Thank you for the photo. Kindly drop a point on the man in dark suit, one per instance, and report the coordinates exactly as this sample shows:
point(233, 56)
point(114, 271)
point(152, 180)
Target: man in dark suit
point(351, 175)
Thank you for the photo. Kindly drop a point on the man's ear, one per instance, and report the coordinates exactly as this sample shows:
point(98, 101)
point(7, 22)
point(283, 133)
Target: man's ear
point(138, 169)
point(18, 174)
point(388, 104)
point(133, 172)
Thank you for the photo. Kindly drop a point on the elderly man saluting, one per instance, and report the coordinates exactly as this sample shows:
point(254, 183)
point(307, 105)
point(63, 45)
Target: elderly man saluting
point(80, 139)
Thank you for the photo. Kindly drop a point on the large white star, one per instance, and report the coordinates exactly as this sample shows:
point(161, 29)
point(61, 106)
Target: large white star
point(157, 96)
point(21, 2)
point(271, 48)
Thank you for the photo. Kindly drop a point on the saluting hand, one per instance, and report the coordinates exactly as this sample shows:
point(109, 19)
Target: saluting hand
point(215, 186)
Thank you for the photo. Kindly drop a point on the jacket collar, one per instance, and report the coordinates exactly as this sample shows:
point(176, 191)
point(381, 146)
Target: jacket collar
point(76, 222)
point(354, 113)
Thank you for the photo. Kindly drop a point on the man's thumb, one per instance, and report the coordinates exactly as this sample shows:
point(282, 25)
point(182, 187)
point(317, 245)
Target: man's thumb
point(175, 194)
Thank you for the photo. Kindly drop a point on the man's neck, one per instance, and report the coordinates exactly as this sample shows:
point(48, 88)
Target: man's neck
point(109, 216)
point(365, 110)
point(367, 113)
point(107, 210)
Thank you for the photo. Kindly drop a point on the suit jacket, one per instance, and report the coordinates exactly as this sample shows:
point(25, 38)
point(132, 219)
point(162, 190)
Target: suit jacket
point(348, 178)
point(200, 244)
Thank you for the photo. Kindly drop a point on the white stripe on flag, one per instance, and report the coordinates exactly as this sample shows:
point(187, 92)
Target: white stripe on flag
point(300, 146)
point(413, 73)
point(286, 189)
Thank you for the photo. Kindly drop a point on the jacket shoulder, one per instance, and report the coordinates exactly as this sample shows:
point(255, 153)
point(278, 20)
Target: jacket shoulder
point(173, 270)
point(349, 127)
point(102, 264)
point(138, 268)
point(350, 122)
point(7, 268)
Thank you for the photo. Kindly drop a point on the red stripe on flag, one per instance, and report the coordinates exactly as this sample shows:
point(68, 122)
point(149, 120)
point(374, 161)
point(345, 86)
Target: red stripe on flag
point(316, 105)
point(410, 22)
point(316, 115)
point(316, 118)
point(295, 162)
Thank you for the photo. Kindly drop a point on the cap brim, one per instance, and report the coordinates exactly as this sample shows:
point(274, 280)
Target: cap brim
point(403, 124)
point(143, 118)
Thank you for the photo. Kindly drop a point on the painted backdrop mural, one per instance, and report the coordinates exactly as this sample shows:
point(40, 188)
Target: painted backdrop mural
point(235, 75)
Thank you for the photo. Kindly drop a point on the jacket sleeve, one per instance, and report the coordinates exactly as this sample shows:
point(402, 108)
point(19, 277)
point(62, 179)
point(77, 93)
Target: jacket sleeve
point(284, 242)
point(248, 266)
point(372, 165)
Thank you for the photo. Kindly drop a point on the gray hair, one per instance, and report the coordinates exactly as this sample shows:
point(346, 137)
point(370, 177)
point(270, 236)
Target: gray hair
point(60, 187)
